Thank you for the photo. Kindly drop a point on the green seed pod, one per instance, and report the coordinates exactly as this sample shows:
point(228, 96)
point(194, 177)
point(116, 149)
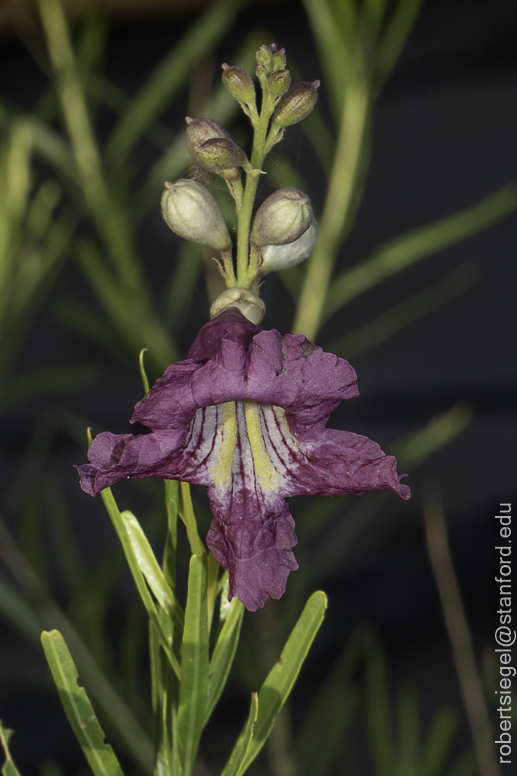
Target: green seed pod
point(239, 84)
point(220, 156)
point(200, 130)
point(282, 218)
point(275, 257)
point(279, 82)
point(190, 211)
point(296, 104)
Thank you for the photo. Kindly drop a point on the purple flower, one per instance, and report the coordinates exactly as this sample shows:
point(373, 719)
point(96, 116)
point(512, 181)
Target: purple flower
point(245, 415)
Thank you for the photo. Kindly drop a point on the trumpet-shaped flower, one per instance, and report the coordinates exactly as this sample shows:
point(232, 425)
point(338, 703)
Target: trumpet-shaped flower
point(245, 415)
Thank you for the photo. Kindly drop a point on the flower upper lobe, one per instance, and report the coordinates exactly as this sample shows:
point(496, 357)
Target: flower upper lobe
point(245, 415)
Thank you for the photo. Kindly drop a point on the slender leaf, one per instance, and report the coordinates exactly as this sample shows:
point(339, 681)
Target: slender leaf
point(194, 665)
point(18, 613)
point(438, 743)
point(235, 764)
point(223, 656)
point(9, 768)
point(402, 252)
point(120, 528)
point(382, 742)
point(279, 682)
point(78, 708)
point(151, 570)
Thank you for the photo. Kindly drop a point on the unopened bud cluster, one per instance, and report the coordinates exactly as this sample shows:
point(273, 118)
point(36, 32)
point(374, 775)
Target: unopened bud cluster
point(284, 230)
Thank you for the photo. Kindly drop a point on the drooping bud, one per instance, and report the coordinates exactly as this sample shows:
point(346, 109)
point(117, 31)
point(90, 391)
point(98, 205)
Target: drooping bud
point(275, 257)
point(190, 211)
point(222, 157)
point(296, 104)
point(249, 304)
point(239, 84)
point(200, 130)
point(282, 218)
point(279, 82)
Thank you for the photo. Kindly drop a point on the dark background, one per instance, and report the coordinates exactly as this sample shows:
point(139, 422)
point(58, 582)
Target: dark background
point(444, 139)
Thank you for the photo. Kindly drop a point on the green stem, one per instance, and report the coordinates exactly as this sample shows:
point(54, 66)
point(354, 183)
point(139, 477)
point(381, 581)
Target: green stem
point(246, 210)
point(345, 173)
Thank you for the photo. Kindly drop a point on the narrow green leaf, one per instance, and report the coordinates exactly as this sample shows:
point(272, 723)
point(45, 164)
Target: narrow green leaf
point(9, 768)
point(151, 570)
point(18, 613)
point(194, 665)
point(166, 80)
point(402, 252)
point(279, 682)
point(172, 492)
point(189, 518)
point(120, 528)
point(382, 742)
point(143, 374)
point(223, 656)
point(78, 708)
point(439, 742)
point(408, 733)
point(235, 764)
point(395, 36)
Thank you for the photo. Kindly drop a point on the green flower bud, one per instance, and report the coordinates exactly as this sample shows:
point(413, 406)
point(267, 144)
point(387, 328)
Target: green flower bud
point(279, 82)
point(191, 212)
point(282, 218)
point(222, 157)
point(200, 130)
point(296, 104)
point(275, 257)
point(239, 84)
point(269, 60)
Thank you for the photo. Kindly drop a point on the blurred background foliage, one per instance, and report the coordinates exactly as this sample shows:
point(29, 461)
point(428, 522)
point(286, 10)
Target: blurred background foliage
point(91, 125)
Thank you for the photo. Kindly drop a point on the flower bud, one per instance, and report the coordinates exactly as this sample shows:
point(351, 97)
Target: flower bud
point(249, 304)
point(279, 82)
point(222, 157)
point(239, 84)
point(200, 130)
point(296, 104)
point(275, 257)
point(191, 212)
point(282, 218)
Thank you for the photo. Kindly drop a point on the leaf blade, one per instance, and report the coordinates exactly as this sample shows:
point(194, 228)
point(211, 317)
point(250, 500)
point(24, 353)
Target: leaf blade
point(77, 706)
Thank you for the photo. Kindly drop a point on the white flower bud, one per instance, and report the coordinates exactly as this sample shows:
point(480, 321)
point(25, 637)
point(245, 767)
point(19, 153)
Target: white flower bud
point(248, 303)
point(190, 211)
point(282, 218)
point(275, 257)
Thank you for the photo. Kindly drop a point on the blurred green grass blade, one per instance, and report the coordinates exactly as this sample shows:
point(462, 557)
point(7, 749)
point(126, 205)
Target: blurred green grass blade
point(166, 80)
point(438, 743)
point(189, 519)
point(235, 764)
point(326, 722)
point(78, 708)
point(151, 570)
point(194, 664)
point(408, 733)
point(333, 44)
point(402, 252)
point(382, 741)
point(15, 610)
point(49, 381)
point(279, 682)
point(223, 656)
point(440, 431)
point(188, 266)
point(405, 313)
point(138, 577)
point(397, 31)
point(9, 768)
